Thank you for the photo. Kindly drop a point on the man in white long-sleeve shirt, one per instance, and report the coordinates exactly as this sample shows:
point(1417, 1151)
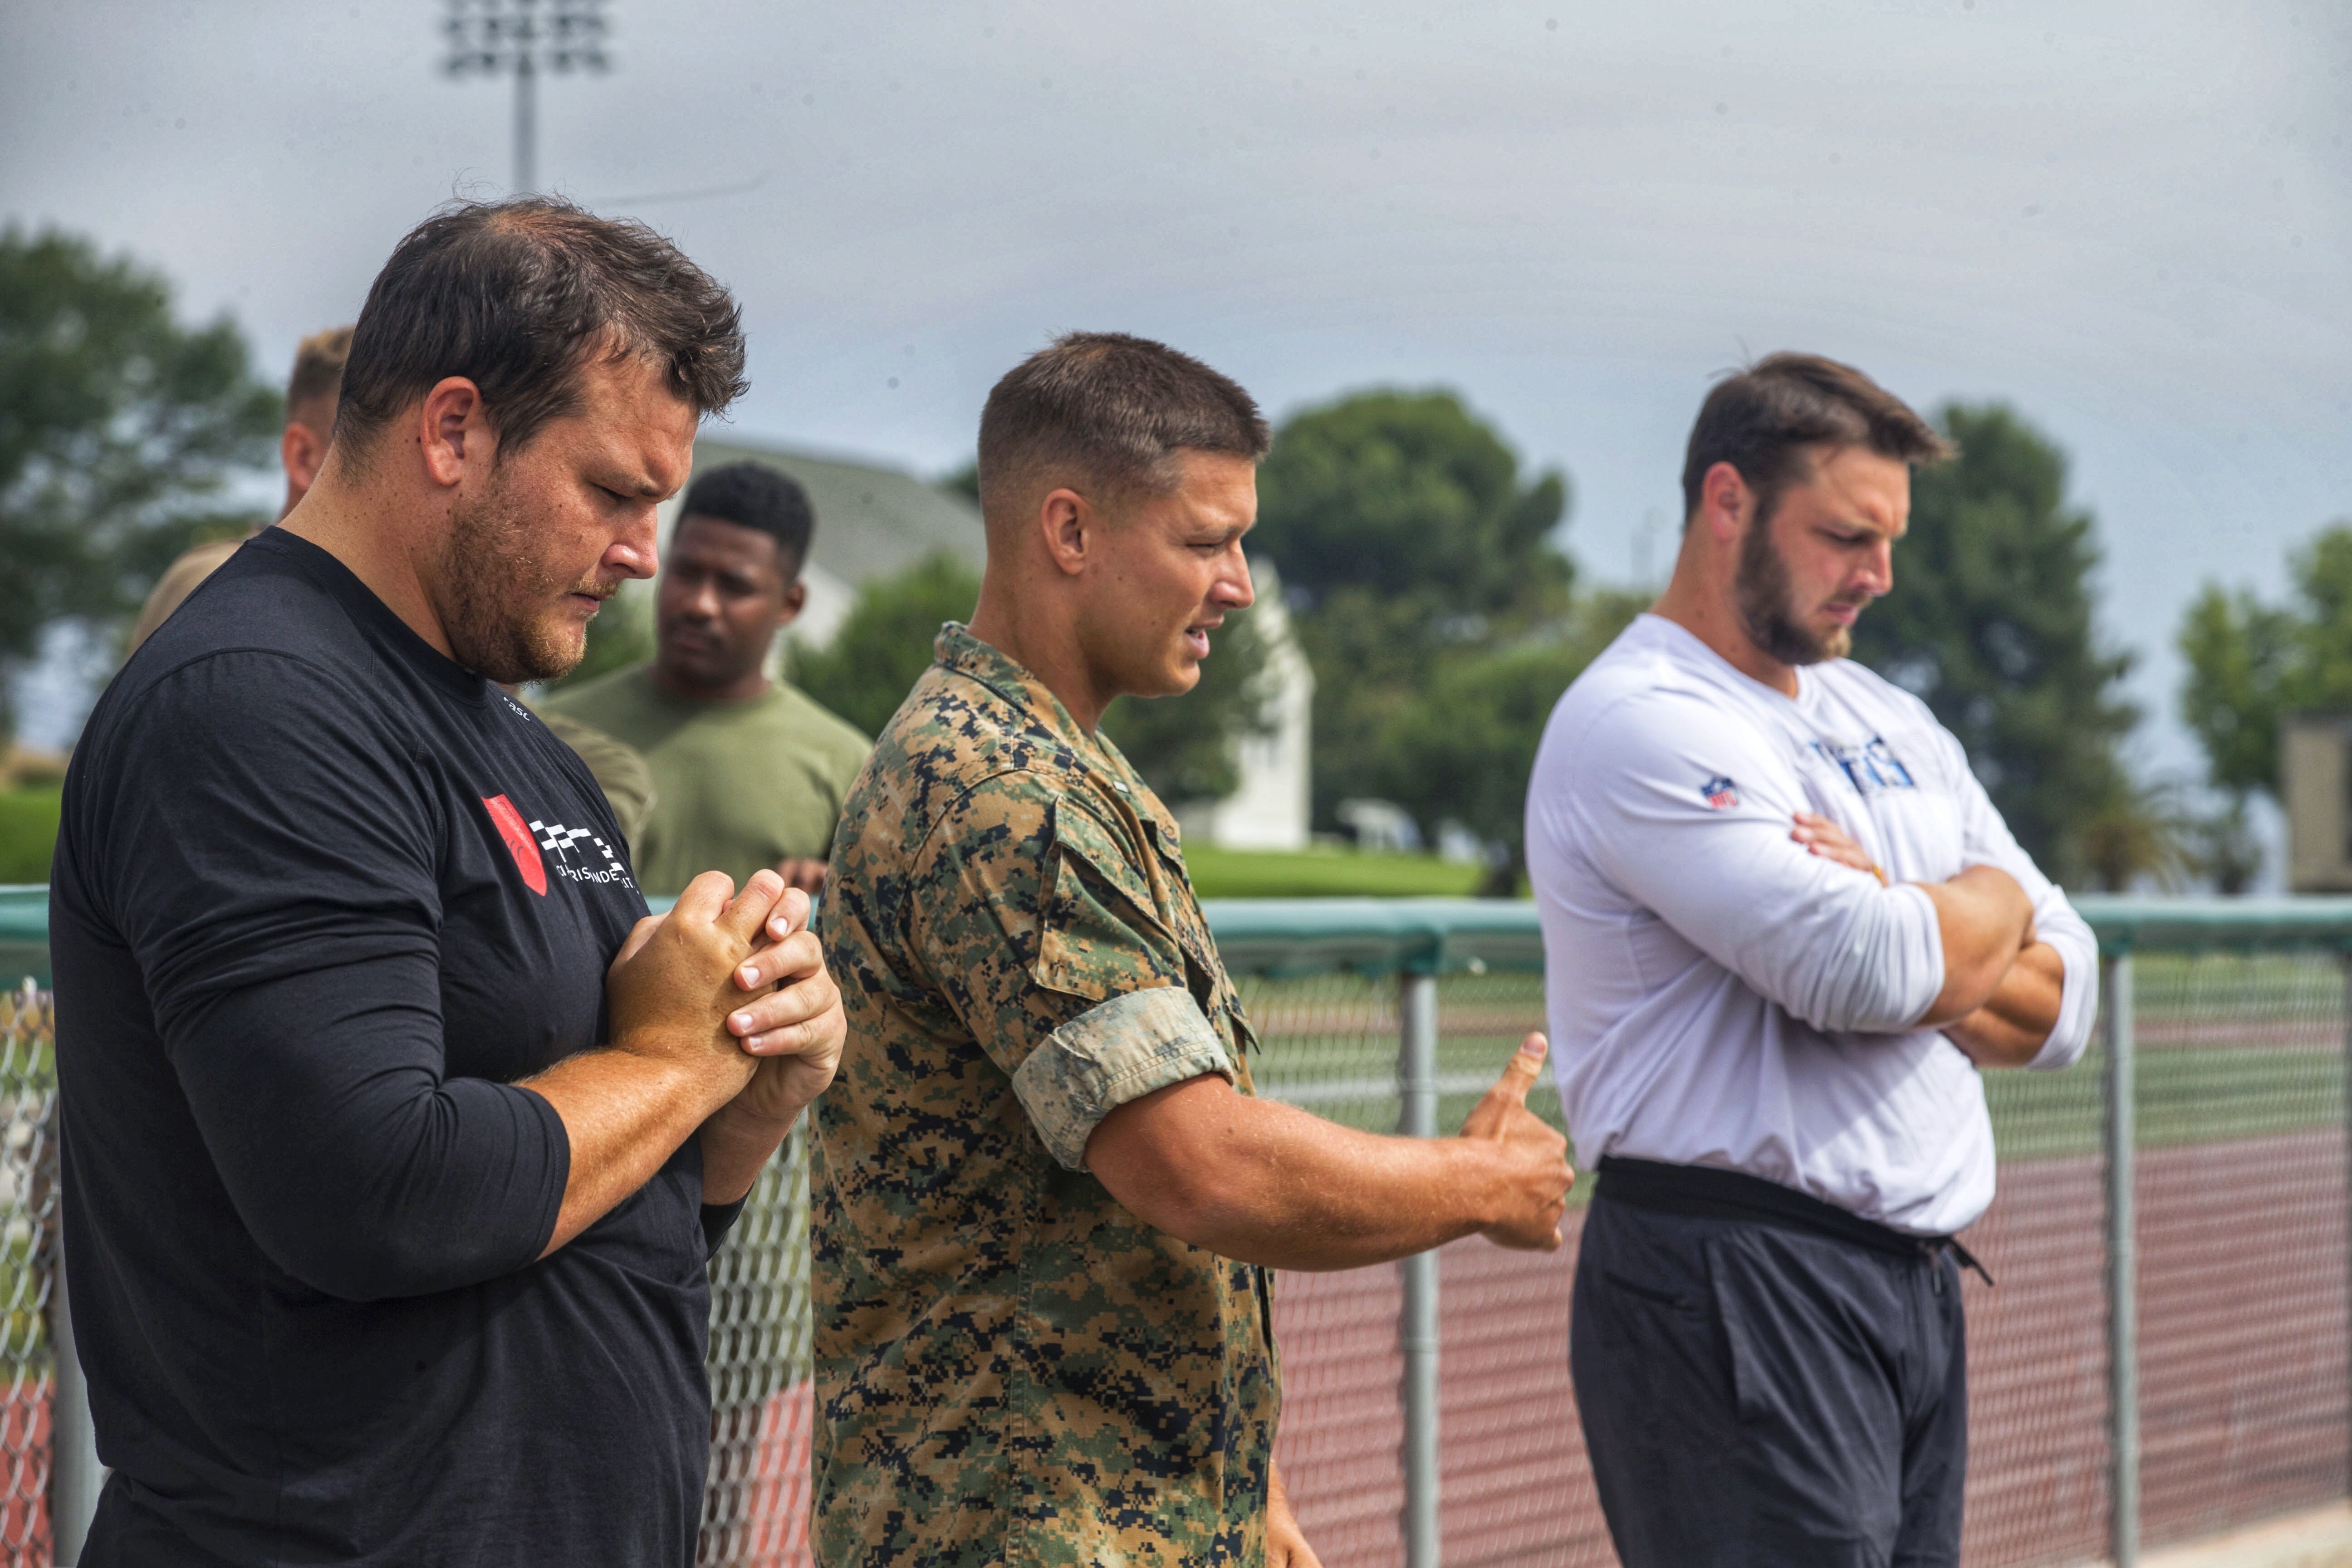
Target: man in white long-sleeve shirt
point(1785, 928)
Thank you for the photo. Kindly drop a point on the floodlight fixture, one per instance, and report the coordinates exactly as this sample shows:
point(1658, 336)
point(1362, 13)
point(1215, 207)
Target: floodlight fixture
point(525, 37)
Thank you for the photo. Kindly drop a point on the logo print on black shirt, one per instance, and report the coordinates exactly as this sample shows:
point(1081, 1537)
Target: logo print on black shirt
point(519, 843)
point(561, 841)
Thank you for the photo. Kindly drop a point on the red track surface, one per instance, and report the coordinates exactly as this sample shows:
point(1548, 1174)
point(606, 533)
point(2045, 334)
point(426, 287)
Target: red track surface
point(2243, 1371)
point(779, 1485)
point(24, 1473)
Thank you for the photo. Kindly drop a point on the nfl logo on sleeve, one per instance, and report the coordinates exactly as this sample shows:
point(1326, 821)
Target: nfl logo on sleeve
point(1720, 792)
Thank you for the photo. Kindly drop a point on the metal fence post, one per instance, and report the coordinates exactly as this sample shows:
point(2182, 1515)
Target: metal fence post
point(2123, 1267)
point(75, 1474)
point(1417, 1334)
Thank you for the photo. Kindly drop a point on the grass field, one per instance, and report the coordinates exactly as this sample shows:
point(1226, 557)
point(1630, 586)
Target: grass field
point(1324, 873)
point(1329, 1043)
point(28, 832)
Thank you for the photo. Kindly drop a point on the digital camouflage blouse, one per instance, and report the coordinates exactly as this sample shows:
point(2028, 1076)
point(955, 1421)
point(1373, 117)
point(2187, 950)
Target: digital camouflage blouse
point(1011, 1367)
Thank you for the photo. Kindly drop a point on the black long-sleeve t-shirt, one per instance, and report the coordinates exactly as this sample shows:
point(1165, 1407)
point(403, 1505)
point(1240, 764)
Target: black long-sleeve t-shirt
point(321, 896)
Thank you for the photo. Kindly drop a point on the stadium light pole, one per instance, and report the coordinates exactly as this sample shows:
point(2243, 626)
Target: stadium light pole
point(525, 37)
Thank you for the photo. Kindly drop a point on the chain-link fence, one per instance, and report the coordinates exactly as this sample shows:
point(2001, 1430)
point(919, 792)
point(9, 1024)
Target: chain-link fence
point(28, 1202)
point(2236, 1038)
point(2235, 1046)
point(755, 1507)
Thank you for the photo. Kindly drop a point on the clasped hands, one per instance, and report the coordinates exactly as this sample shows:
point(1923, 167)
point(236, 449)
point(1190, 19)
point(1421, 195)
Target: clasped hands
point(730, 990)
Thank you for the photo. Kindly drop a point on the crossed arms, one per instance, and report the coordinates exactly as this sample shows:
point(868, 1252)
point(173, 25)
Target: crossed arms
point(2003, 989)
point(1985, 949)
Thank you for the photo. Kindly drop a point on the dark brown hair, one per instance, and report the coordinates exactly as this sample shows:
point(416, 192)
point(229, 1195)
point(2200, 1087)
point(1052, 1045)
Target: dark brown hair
point(1761, 419)
point(517, 297)
point(318, 371)
point(1114, 409)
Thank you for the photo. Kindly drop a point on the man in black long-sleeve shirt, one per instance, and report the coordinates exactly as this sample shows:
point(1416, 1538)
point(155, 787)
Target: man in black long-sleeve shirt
point(386, 1205)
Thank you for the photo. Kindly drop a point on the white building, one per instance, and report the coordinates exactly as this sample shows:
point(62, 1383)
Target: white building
point(1274, 807)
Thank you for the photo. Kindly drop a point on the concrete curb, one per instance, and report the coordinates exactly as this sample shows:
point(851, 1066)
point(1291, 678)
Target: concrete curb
point(2319, 1539)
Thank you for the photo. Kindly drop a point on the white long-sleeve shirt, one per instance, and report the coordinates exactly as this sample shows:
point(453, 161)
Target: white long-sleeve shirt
point(1718, 994)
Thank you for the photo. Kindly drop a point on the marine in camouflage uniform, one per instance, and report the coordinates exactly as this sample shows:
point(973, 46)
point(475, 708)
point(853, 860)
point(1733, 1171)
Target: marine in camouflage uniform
point(1011, 1367)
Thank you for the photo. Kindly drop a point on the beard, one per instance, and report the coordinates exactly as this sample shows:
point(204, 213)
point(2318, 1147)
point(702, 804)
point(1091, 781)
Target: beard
point(501, 612)
point(1767, 608)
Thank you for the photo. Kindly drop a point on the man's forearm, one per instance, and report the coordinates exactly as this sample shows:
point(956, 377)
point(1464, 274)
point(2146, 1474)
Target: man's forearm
point(1983, 919)
point(2010, 1028)
point(624, 1115)
point(736, 1146)
point(1269, 1183)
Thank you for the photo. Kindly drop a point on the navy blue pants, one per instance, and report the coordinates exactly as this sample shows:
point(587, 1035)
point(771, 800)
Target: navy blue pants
point(1756, 1397)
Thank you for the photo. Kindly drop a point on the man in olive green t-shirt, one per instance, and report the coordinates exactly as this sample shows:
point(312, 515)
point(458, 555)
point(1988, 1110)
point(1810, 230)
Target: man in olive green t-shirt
point(747, 773)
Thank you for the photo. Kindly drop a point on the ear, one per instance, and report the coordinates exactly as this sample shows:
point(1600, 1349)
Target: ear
point(1725, 502)
point(795, 601)
point(1068, 522)
point(452, 431)
point(301, 451)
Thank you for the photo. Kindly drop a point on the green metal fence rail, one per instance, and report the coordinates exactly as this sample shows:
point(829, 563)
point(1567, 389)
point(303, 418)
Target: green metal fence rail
point(2170, 1339)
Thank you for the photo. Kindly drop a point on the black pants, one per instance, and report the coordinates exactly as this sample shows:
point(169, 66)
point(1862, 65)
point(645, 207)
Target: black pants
point(1756, 1396)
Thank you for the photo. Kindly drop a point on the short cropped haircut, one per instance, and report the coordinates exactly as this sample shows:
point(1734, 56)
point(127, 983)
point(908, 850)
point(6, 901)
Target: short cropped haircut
point(518, 297)
point(318, 371)
point(1761, 419)
point(753, 494)
point(1113, 410)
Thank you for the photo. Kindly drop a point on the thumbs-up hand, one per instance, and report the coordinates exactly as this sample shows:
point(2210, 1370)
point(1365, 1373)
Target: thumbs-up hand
point(1532, 1175)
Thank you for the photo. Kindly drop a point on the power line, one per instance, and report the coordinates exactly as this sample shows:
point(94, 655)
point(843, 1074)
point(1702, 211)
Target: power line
point(701, 194)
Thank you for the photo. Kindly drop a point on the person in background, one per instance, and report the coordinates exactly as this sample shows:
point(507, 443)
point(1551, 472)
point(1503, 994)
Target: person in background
point(619, 770)
point(310, 396)
point(1786, 930)
point(749, 772)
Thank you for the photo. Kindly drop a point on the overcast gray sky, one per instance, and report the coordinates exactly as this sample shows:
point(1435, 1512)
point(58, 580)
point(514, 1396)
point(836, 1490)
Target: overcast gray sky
point(2129, 217)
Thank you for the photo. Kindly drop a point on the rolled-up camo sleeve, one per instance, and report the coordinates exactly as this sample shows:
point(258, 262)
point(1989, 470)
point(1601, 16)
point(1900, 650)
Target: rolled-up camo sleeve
point(1037, 918)
point(1122, 1050)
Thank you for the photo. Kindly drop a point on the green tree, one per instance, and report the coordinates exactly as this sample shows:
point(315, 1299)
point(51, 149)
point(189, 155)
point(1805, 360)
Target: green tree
point(1407, 537)
point(867, 668)
point(1464, 745)
point(2143, 831)
point(2238, 652)
point(1373, 656)
point(2224, 846)
point(1414, 496)
point(2251, 664)
point(1990, 622)
point(119, 430)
